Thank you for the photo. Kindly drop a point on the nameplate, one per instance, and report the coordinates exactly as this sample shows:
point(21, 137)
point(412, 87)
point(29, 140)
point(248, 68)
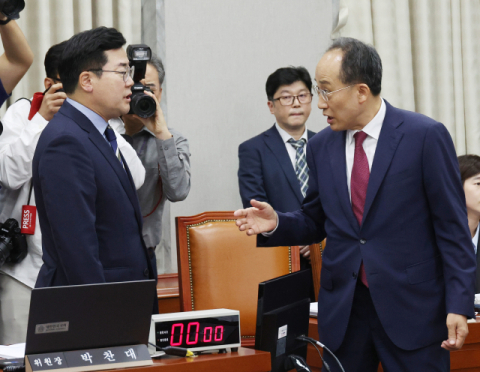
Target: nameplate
point(89, 360)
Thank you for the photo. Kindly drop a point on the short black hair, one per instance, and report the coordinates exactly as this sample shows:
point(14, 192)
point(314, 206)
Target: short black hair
point(360, 64)
point(469, 166)
point(157, 63)
point(86, 51)
point(287, 76)
point(52, 59)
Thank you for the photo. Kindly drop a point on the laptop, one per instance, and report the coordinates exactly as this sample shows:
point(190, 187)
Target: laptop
point(89, 316)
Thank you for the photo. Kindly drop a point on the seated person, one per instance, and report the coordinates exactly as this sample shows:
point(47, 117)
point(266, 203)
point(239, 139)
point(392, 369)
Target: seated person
point(470, 173)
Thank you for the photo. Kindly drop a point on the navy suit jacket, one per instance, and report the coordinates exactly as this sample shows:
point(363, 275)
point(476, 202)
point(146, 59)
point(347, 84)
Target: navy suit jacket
point(87, 206)
point(414, 239)
point(266, 172)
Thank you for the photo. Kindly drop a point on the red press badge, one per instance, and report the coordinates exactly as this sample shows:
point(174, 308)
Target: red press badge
point(29, 215)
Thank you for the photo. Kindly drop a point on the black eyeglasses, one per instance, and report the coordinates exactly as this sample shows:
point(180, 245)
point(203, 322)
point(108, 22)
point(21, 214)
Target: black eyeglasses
point(288, 100)
point(126, 74)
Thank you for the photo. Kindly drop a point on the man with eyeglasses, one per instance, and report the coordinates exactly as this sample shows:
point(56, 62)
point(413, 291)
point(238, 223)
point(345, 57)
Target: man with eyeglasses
point(87, 204)
point(398, 270)
point(23, 123)
point(272, 165)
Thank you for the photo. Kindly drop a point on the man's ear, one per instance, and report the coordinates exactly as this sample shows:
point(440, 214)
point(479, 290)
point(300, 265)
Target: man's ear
point(85, 81)
point(48, 82)
point(363, 92)
point(271, 107)
point(160, 91)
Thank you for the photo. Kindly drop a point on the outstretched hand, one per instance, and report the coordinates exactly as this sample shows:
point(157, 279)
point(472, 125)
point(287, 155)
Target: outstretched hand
point(258, 219)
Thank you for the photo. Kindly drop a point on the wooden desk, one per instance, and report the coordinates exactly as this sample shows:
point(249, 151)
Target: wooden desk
point(167, 293)
point(467, 359)
point(245, 360)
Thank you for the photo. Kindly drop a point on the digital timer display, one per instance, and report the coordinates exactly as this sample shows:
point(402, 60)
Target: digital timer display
point(198, 332)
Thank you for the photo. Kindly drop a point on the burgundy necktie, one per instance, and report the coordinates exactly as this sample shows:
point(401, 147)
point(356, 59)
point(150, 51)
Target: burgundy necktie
point(358, 186)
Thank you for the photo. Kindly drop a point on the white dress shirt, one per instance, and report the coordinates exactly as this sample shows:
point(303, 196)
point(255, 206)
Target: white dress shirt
point(475, 239)
point(292, 152)
point(372, 129)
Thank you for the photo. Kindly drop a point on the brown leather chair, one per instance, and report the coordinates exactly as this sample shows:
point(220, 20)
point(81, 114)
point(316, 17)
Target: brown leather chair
point(221, 267)
point(316, 251)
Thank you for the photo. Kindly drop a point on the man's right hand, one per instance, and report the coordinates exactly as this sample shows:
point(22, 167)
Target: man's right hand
point(52, 101)
point(258, 219)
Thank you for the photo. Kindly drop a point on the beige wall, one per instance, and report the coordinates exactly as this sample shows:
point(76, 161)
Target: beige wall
point(218, 55)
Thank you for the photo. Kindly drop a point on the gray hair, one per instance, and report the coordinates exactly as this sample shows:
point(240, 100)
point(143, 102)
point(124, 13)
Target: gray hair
point(156, 62)
point(361, 63)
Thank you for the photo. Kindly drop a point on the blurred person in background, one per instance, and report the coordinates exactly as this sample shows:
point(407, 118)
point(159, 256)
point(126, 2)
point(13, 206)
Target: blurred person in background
point(164, 153)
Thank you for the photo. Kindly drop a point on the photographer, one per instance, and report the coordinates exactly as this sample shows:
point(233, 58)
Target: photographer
point(16, 59)
point(24, 122)
point(165, 155)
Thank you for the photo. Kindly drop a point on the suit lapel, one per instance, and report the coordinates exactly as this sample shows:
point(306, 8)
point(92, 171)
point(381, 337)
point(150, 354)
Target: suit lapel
point(106, 150)
point(387, 145)
point(275, 143)
point(121, 173)
point(338, 164)
point(132, 195)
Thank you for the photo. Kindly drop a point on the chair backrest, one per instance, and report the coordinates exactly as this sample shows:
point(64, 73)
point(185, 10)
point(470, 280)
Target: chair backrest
point(316, 251)
point(221, 267)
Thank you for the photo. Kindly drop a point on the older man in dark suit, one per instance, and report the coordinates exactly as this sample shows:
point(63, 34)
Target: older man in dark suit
point(385, 189)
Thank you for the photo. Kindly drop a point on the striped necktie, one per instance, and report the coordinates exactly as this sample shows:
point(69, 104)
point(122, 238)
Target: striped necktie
point(301, 168)
point(110, 134)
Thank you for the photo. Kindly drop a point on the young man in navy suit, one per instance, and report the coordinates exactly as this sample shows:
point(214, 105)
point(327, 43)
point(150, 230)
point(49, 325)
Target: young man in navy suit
point(87, 204)
point(268, 162)
point(398, 273)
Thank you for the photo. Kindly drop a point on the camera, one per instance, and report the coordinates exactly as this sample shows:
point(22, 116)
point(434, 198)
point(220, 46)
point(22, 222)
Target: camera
point(13, 244)
point(12, 8)
point(140, 104)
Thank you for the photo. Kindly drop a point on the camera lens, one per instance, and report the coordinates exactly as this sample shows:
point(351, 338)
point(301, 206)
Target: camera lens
point(5, 249)
point(143, 105)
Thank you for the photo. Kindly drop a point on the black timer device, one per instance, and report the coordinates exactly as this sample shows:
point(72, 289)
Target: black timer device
point(200, 330)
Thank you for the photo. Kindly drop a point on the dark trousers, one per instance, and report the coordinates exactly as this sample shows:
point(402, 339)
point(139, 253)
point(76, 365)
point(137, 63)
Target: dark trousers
point(366, 344)
point(153, 264)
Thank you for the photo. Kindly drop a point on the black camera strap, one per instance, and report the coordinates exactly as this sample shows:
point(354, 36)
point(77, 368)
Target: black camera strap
point(30, 192)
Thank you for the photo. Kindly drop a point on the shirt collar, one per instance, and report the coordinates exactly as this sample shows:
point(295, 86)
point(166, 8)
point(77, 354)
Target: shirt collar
point(475, 238)
point(285, 136)
point(374, 127)
point(96, 119)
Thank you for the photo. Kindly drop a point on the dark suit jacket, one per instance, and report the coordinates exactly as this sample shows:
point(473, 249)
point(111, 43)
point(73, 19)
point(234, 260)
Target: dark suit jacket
point(414, 239)
point(266, 172)
point(477, 279)
point(87, 207)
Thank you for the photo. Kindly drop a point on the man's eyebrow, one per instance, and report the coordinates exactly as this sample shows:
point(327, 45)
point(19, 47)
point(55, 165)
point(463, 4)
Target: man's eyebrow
point(151, 85)
point(123, 64)
point(324, 82)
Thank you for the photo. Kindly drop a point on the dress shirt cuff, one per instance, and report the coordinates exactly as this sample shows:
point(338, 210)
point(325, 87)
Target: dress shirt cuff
point(269, 233)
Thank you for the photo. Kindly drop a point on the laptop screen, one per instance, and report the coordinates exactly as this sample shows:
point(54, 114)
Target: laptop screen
point(89, 316)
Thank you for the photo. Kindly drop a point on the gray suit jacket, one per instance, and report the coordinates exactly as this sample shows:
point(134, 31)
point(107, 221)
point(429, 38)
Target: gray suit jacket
point(167, 176)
